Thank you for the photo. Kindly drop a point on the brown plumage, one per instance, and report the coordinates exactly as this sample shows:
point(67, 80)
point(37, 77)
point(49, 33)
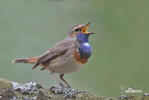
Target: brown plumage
point(63, 57)
point(31, 60)
point(59, 49)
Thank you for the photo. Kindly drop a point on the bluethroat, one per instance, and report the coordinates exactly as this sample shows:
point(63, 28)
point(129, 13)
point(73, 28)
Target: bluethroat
point(66, 56)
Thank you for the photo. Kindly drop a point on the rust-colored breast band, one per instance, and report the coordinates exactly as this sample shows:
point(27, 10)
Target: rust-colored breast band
point(78, 58)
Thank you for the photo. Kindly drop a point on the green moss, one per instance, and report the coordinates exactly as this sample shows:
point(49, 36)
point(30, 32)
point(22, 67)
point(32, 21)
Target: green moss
point(145, 98)
point(45, 94)
point(5, 83)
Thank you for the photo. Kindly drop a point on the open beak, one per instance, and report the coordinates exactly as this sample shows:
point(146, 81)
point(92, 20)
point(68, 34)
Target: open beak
point(84, 28)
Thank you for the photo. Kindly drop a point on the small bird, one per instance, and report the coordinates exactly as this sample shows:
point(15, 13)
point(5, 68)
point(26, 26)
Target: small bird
point(66, 56)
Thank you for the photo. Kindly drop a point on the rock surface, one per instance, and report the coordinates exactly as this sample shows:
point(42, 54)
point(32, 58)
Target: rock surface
point(33, 91)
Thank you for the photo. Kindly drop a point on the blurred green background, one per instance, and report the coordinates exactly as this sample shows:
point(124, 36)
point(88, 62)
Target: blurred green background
point(120, 45)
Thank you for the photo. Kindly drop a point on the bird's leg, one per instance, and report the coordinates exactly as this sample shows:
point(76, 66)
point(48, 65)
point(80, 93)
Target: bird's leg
point(55, 78)
point(62, 78)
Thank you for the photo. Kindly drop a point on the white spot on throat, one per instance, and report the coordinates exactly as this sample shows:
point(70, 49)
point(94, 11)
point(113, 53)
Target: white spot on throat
point(86, 44)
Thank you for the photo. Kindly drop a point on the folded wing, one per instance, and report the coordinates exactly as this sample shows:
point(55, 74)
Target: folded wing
point(58, 49)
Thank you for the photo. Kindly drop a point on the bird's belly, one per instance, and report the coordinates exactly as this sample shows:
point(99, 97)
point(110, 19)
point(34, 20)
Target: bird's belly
point(64, 64)
point(68, 67)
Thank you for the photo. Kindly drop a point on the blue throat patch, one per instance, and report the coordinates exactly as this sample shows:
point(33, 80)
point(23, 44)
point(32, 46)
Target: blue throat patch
point(85, 49)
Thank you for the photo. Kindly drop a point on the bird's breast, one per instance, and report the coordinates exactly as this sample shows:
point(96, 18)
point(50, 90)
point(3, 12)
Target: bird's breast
point(66, 63)
point(84, 51)
point(78, 57)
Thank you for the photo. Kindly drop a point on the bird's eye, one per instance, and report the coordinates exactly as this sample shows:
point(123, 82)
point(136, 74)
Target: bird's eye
point(76, 30)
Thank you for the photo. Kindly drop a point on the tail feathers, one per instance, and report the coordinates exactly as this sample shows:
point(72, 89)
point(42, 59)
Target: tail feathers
point(31, 60)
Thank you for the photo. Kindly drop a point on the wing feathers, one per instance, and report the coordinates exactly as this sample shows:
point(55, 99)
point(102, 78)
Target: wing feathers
point(59, 49)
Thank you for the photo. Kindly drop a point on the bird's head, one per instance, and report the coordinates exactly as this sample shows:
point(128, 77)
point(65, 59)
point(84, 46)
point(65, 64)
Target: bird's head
point(77, 29)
